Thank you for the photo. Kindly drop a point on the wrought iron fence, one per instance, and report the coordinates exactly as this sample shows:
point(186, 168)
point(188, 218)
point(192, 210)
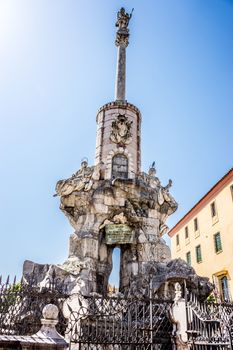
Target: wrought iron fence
point(120, 323)
point(210, 325)
point(21, 305)
point(113, 322)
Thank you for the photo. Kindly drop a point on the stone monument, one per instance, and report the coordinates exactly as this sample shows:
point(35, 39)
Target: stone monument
point(115, 204)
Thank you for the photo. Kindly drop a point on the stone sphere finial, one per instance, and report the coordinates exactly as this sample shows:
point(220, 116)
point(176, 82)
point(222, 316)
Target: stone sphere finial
point(50, 312)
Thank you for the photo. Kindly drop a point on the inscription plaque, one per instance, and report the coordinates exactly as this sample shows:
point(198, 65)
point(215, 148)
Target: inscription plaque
point(119, 234)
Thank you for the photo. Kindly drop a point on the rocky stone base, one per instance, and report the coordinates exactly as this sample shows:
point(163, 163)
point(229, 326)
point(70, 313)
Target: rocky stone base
point(160, 277)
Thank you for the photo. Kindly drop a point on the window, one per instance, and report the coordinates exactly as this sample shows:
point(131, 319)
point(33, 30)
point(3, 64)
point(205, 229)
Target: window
point(195, 224)
point(188, 258)
point(224, 288)
point(217, 242)
point(186, 230)
point(119, 167)
point(198, 254)
point(177, 240)
point(213, 209)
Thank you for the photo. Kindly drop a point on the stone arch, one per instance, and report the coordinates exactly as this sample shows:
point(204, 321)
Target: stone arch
point(120, 151)
point(114, 277)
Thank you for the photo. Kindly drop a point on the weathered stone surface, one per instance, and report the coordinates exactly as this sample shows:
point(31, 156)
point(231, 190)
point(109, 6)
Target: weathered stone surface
point(134, 209)
point(141, 206)
point(164, 275)
point(44, 272)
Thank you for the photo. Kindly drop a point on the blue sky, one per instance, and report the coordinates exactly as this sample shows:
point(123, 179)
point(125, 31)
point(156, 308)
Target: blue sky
point(58, 62)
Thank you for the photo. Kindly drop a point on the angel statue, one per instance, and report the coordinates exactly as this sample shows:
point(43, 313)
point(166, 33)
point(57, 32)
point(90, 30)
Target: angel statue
point(123, 19)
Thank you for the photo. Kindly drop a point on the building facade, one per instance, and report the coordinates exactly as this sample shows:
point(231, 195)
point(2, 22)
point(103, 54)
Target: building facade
point(204, 236)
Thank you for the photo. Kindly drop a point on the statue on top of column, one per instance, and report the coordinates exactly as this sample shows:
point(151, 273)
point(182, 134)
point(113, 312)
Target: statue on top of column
point(123, 19)
point(122, 23)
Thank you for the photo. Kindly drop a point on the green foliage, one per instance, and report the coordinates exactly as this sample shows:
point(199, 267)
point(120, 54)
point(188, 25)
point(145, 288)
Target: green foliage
point(211, 298)
point(9, 296)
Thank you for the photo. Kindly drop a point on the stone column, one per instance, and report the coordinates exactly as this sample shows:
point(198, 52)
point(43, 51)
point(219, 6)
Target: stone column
point(120, 74)
point(122, 41)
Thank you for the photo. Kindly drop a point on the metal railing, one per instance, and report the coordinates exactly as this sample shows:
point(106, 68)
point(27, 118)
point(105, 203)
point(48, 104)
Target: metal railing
point(209, 325)
point(123, 323)
point(21, 305)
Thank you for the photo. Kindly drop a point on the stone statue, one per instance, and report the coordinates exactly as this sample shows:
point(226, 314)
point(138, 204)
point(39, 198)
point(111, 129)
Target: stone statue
point(164, 195)
point(122, 23)
point(82, 180)
point(153, 181)
point(121, 130)
point(123, 19)
point(168, 205)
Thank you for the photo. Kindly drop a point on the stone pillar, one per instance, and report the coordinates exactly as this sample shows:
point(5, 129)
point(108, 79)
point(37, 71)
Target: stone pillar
point(119, 122)
point(122, 41)
point(120, 74)
point(179, 319)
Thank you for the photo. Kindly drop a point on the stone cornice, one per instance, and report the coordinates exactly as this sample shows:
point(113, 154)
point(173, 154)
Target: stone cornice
point(119, 104)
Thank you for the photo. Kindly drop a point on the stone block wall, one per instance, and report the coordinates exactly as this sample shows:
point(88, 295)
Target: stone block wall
point(106, 149)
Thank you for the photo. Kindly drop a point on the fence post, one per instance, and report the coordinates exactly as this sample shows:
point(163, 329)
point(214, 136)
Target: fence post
point(179, 319)
point(46, 339)
point(48, 328)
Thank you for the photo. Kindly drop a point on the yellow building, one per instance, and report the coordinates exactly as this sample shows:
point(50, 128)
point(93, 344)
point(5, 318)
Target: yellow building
point(204, 236)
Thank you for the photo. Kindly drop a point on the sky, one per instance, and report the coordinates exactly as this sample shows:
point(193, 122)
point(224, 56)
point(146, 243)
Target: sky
point(57, 68)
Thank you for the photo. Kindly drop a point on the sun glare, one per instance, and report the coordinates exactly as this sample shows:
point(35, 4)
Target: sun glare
point(8, 21)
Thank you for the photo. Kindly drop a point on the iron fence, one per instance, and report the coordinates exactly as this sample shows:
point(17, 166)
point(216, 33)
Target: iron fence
point(113, 322)
point(120, 323)
point(209, 325)
point(21, 305)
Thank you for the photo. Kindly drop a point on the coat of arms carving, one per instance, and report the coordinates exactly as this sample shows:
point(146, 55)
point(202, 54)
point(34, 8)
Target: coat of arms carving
point(121, 130)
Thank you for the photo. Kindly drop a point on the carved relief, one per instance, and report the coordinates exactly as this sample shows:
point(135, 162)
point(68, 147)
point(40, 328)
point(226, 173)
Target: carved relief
point(121, 130)
point(82, 180)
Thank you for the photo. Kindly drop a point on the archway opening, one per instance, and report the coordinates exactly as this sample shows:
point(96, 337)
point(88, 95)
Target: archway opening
point(114, 278)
